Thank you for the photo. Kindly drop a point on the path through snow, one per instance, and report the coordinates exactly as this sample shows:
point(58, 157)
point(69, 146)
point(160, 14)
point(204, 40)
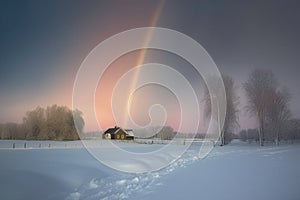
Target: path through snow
point(123, 186)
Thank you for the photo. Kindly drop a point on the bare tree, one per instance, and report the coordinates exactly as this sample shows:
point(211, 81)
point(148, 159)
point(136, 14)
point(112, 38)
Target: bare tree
point(293, 129)
point(259, 88)
point(232, 101)
point(278, 112)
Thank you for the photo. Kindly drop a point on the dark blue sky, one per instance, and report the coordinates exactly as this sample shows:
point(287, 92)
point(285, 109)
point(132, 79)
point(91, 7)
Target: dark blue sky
point(44, 42)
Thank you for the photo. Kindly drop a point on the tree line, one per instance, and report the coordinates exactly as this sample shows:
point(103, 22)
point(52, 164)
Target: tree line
point(290, 132)
point(155, 132)
point(51, 123)
point(267, 102)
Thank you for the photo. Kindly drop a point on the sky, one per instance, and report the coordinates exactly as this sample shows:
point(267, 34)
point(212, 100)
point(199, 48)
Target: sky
point(43, 44)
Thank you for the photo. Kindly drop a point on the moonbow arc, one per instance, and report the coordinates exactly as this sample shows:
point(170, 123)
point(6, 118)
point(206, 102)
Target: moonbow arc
point(164, 39)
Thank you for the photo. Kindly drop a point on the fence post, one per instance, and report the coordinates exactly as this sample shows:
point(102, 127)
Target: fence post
point(14, 145)
point(25, 145)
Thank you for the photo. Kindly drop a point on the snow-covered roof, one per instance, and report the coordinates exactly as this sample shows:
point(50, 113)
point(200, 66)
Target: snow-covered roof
point(129, 132)
point(116, 129)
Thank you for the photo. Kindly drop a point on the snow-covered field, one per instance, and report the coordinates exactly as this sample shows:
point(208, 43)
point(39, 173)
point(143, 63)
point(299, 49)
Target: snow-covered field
point(68, 171)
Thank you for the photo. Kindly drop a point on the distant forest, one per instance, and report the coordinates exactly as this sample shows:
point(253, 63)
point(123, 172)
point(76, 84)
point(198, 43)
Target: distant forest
point(53, 123)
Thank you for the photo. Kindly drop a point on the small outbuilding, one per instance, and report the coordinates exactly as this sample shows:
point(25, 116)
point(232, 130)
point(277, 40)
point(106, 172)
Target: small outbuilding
point(118, 133)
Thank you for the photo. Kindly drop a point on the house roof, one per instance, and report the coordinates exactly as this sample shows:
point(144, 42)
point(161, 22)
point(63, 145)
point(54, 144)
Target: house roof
point(129, 132)
point(115, 130)
point(112, 130)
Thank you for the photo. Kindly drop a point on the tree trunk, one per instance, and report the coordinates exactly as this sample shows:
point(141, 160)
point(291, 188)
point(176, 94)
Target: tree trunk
point(222, 138)
point(259, 137)
point(277, 136)
point(261, 133)
point(262, 136)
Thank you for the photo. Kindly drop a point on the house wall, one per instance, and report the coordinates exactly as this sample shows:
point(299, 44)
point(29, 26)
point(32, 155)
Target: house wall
point(120, 135)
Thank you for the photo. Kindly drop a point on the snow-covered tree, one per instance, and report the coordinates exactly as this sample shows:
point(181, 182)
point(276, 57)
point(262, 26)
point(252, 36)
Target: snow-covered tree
point(232, 101)
point(259, 88)
point(278, 112)
point(53, 123)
